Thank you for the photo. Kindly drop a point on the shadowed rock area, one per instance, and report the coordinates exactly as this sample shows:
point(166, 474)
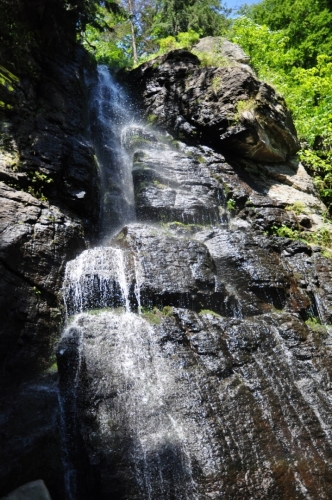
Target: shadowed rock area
point(224, 107)
point(48, 198)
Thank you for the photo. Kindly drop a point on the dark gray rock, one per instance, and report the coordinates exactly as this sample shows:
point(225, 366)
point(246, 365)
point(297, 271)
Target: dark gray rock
point(36, 240)
point(201, 396)
point(227, 108)
point(35, 490)
point(30, 438)
point(173, 181)
point(48, 199)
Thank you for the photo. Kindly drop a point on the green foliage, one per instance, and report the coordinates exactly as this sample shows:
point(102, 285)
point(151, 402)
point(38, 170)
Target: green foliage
point(184, 40)
point(181, 41)
point(159, 185)
point(39, 182)
point(155, 315)
point(314, 324)
point(175, 16)
point(208, 311)
point(322, 237)
point(284, 232)
point(30, 28)
point(319, 165)
point(212, 59)
point(298, 207)
point(111, 43)
point(307, 92)
point(151, 118)
point(37, 291)
point(97, 312)
point(231, 204)
point(245, 105)
point(306, 24)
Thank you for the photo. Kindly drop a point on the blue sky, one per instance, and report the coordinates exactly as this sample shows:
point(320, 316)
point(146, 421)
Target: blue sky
point(236, 3)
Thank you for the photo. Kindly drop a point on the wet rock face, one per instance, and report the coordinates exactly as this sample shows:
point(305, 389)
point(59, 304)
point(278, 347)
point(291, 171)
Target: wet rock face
point(218, 377)
point(173, 181)
point(48, 183)
point(35, 243)
point(36, 240)
point(196, 363)
point(35, 490)
point(30, 440)
point(226, 108)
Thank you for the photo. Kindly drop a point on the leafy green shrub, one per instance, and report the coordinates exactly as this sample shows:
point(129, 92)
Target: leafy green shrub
point(307, 91)
point(319, 165)
point(231, 204)
point(184, 40)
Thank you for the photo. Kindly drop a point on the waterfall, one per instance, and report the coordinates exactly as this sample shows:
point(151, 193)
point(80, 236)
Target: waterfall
point(110, 112)
point(183, 373)
point(102, 291)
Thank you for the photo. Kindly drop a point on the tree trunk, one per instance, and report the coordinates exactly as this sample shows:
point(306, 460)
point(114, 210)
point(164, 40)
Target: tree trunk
point(132, 26)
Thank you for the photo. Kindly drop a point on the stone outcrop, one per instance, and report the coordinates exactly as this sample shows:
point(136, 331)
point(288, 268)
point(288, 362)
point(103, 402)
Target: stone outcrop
point(226, 108)
point(35, 490)
point(218, 378)
point(218, 46)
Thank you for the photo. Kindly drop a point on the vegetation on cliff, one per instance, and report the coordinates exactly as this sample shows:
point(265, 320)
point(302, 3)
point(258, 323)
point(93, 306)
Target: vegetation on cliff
point(289, 44)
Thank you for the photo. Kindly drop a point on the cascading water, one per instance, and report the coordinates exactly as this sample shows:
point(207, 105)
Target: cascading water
point(133, 365)
point(110, 113)
point(186, 371)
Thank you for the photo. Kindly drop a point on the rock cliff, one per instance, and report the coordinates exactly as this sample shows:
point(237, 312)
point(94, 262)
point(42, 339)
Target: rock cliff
point(196, 362)
point(48, 191)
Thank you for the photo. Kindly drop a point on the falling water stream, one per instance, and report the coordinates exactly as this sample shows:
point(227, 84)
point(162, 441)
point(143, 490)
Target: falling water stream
point(111, 113)
point(207, 403)
point(98, 304)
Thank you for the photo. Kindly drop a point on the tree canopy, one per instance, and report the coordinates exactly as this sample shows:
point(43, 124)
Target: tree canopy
point(206, 17)
point(140, 25)
point(307, 23)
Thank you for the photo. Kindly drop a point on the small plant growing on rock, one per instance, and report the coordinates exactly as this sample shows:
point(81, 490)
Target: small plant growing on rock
point(159, 184)
point(298, 207)
point(208, 311)
point(216, 84)
point(155, 315)
point(244, 106)
point(37, 292)
point(212, 59)
point(322, 237)
point(231, 204)
point(151, 118)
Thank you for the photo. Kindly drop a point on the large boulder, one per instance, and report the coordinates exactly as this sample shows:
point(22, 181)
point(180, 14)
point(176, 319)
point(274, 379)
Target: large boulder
point(224, 107)
point(219, 46)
